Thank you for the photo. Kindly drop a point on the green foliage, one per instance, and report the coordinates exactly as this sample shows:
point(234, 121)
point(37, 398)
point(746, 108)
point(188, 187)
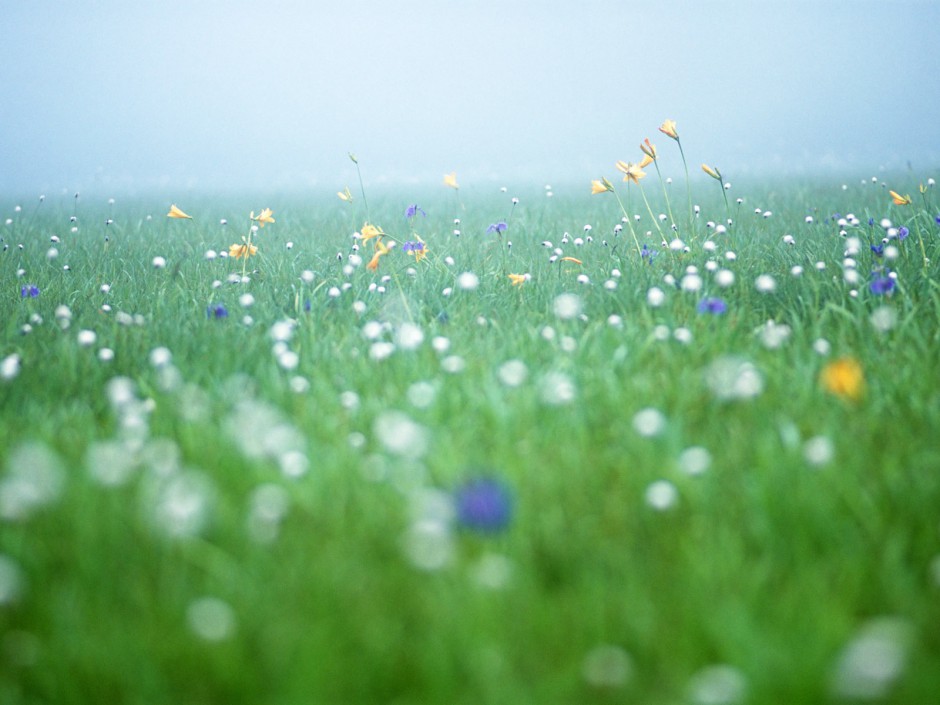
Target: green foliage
point(262, 513)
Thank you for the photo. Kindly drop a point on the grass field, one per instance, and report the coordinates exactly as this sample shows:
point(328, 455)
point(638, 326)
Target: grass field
point(636, 473)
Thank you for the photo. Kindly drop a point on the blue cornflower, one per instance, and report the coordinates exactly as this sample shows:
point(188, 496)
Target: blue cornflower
point(216, 311)
point(712, 305)
point(871, 221)
point(30, 290)
point(412, 246)
point(647, 254)
point(937, 220)
point(879, 250)
point(413, 210)
point(497, 227)
point(483, 504)
point(903, 233)
point(882, 285)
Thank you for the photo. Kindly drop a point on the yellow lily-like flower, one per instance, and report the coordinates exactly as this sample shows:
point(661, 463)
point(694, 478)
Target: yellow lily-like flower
point(714, 173)
point(345, 195)
point(244, 250)
point(922, 189)
point(370, 231)
point(844, 378)
point(900, 200)
point(451, 180)
point(645, 161)
point(632, 172)
point(572, 259)
point(381, 249)
point(263, 217)
point(177, 213)
point(668, 128)
point(517, 279)
point(601, 186)
point(648, 149)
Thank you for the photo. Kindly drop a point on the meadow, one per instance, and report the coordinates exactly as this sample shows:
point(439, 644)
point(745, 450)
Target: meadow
point(471, 444)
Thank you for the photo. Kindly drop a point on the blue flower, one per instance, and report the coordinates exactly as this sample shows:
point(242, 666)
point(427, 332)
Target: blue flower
point(871, 221)
point(412, 210)
point(412, 246)
point(879, 250)
point(497, 227)
point(483, 504)
point(30, 290)
point(882, 285)
point(712, 305)
point(647, 254)
point(216, 311)
point(937, 220)
point(903, 233)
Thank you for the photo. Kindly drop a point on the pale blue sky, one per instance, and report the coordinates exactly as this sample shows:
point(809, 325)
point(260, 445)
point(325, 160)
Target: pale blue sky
point(186, 94)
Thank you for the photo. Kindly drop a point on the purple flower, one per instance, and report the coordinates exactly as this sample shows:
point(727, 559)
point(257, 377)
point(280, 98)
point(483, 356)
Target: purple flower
point(882, 285)
point(497, 227)
point(30, 290)
point(647, 254)
point(879, 250)
point(412, 210)
point(216, 311)
point(903, 233)
point(712, 305)
point(412, 246)
point(937, 220)
point(483, 504)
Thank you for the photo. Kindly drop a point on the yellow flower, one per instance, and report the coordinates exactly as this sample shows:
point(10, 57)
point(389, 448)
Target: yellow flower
point(648, 149)
point(900, 200)
point(844, 378)
point(714, 173)
point(177, 213)
point(345, 194)
point(601, 186)
point(632, 172)
point(370, 231)
point(263, 217)
point(517, 279)
point(380, 249)
point(668, 128)
point(451, 180)
point(245, 250)
point(571, 259)
point(645, 161)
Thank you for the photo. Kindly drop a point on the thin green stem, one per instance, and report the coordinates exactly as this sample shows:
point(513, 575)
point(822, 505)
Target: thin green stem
point(639, 250)
point(688, 187)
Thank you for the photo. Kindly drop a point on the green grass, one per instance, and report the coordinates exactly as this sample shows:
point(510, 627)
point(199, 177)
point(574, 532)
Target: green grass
point(356, 590)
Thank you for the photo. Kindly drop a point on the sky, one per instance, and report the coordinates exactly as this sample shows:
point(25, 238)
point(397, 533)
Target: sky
point(198, 94)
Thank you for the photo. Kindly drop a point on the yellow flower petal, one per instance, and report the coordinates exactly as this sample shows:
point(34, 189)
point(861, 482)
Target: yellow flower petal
point(244, 250)
point(668, 128)
point(648, 149)
point(714, 173)
point(263, 217)
point(900, 200)
point(370, 231)
point(451, 180)
point(597, 186)
point(571, 259)
point(844, 378)
point(346, 195)
point(517, 279)
point(177, 213)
